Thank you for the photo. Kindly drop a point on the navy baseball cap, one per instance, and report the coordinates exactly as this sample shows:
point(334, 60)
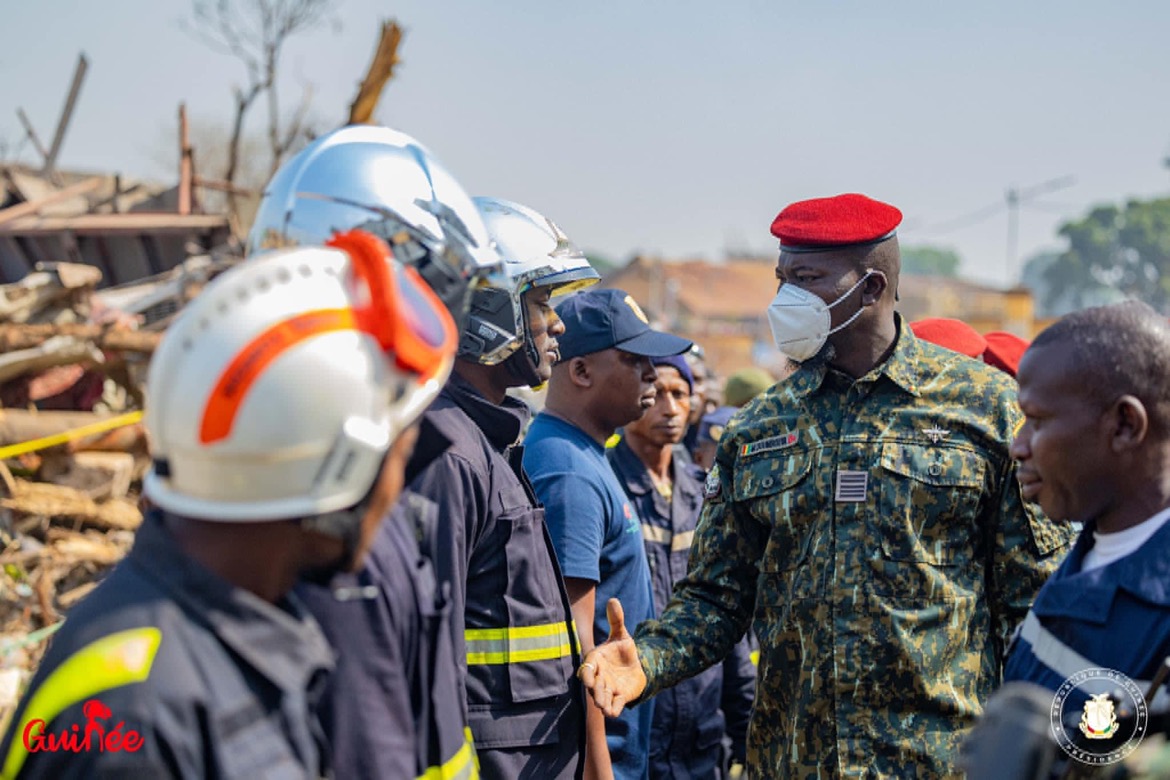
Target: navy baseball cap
point(679, 364)
point(596, 320)
point(712, 424)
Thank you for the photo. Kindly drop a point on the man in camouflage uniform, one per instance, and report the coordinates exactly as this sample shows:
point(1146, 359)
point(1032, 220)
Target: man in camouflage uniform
point(866, 513)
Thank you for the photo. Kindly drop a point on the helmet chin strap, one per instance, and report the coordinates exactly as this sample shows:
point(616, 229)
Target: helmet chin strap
point(523, 363)
point(344, 525)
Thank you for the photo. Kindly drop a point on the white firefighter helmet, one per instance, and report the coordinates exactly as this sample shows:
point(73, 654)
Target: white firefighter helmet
point(278, 391)
point(536, 253)
point(385, 182)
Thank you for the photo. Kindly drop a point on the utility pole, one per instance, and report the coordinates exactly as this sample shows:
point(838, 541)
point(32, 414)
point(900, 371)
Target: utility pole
point(1013, 233)
point(1015, 196)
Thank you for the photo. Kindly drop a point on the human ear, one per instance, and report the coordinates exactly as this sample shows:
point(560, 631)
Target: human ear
point(874, 287)
point(1130, 423)
point(580, 373)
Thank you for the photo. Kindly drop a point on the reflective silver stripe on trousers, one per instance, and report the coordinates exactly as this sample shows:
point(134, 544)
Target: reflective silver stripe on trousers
point(1066, 662)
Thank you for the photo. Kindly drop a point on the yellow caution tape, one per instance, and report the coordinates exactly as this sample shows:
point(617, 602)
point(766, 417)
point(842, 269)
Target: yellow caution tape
point(120, 421)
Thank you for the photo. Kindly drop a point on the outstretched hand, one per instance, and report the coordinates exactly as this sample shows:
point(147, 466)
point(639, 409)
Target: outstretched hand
point(612, 672)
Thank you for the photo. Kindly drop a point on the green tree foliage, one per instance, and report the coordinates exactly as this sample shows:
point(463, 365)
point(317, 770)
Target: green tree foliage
point(1125, 248)
point(930, 261)
point(1050, 303)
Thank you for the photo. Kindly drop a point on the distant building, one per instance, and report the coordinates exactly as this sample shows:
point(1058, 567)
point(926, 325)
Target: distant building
point(722, 305)
point(982, 307)
point(719, 305)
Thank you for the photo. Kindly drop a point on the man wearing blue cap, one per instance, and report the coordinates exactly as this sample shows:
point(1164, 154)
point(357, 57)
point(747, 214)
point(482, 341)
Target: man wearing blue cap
point(604, 380)
point(864, 516)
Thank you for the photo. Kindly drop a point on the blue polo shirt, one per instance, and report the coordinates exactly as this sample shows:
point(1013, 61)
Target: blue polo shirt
point(598, 537)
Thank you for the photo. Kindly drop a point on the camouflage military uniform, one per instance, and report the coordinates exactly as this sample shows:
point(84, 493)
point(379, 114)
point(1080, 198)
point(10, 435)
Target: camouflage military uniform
point(876, 530)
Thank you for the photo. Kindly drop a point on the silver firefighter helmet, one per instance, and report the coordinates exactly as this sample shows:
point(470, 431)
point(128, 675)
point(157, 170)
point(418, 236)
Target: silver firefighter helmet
point(385, 182)
point(536, 253)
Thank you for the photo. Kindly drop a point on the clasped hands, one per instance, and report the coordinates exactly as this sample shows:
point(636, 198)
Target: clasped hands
point(611, 672)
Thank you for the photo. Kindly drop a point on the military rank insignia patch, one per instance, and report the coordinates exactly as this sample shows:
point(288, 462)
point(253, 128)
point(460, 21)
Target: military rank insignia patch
point(851, 486)
point(712, 488)
point(769, 444)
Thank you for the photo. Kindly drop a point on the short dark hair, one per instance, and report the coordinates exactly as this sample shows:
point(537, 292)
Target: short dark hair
point(1121, 349)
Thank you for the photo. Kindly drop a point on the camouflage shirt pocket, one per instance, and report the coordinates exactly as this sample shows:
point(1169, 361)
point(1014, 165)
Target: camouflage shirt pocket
point(776, 492)
point(928, 504)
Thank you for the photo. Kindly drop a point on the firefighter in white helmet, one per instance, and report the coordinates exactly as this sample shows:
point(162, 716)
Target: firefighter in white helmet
point(281, 408)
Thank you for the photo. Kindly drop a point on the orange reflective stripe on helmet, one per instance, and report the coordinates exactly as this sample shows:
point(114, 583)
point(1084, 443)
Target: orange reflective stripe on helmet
point(404, 315)
point(250, 362)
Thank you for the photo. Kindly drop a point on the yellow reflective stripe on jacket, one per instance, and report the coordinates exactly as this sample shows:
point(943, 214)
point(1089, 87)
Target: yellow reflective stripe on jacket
point(464, 765)
point(656, 534)
point(110, 662)
point(517, 645)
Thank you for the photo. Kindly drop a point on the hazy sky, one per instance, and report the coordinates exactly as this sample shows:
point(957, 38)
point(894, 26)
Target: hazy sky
point(674, 128)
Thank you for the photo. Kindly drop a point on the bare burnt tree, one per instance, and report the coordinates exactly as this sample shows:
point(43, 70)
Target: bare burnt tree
point(255, 32)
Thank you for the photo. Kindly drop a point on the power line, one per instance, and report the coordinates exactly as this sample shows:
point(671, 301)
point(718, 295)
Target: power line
point(1053, 208)
point(965, 221)
point(1014, 198)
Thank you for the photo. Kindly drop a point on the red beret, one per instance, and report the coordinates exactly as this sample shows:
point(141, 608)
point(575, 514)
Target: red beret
point(955, 335)
point(829, 223)
point(1004, 351)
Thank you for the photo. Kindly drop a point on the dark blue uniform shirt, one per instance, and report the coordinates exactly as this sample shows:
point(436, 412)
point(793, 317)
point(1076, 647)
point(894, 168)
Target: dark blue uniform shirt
point(393, 707)
point(1116, 617)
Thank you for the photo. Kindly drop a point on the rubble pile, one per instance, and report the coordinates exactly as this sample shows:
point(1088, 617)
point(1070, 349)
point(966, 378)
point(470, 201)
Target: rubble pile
point(72, 445)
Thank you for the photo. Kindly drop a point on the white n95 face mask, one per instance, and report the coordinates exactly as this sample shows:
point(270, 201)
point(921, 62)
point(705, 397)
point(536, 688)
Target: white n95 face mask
point(800, 321)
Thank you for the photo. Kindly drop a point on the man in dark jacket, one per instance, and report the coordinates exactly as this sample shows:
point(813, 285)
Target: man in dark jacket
point(393, 707)
point(192, 659)
point(393, 704)
point(513, 630)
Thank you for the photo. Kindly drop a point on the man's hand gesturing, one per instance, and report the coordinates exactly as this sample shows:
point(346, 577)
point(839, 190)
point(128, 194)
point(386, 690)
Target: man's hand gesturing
point(612, 672)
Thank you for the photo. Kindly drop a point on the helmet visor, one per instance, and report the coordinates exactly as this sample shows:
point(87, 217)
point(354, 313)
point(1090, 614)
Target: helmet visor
point(404, 313)
point(417, 303)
